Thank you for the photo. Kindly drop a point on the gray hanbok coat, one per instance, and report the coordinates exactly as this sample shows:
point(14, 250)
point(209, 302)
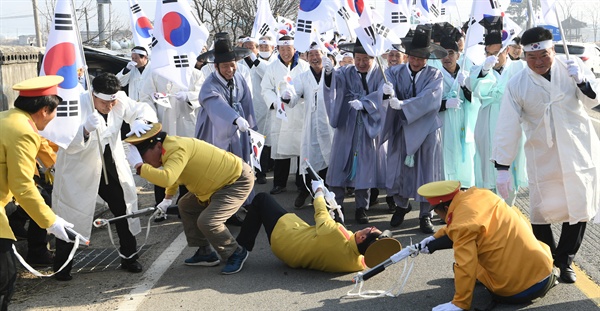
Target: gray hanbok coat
point(413, 133)
point(355, 157)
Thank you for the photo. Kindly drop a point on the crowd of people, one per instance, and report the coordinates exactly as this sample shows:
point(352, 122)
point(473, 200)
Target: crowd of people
point(422, 114)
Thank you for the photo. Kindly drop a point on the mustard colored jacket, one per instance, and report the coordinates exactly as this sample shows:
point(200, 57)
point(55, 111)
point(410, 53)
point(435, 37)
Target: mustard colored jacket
point(19, 145)
point(326, 246)
point(200, 166)
point(493, 243)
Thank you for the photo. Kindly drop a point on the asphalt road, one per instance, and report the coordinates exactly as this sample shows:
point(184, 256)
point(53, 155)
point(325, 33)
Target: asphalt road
point(265, 283)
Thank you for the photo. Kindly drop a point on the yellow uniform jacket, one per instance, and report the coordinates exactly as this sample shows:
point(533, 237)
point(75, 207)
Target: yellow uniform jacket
point(19, 145)
point(494, 244)
point(326, 246)
point(200, 166)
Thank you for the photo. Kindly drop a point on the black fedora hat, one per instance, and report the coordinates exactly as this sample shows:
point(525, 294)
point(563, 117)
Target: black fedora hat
point(223, 51)
point(353, 47)
point(493, 29)
point(420, 45)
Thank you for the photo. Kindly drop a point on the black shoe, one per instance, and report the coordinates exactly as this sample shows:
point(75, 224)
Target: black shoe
point(398, 217)
point(44, 260)
point(391, 204)
point(301, 199)
point(234, 220)
point(63, 276)
point(426, 225)
point(131, 266)
point(278, 189)
point(261, 179)
point(349, 192)
point(361, 216)
point(567, 274)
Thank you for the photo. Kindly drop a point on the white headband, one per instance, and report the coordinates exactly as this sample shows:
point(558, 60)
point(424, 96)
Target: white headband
point(141, 52)
point(536, 46)
point(248, 39)
point(105, 96)
point(267, 42)
point(285, 42)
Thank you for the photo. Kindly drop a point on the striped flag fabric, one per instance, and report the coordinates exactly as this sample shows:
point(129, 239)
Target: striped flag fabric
point(63, 57)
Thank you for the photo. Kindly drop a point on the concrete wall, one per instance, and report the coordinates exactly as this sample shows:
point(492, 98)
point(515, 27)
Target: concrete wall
point(17, 63)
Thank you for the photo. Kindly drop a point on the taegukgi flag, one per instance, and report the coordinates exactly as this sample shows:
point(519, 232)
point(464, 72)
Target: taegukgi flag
point(141, 27)
point(314, 16)
point(264, 22)
point(179, 40)
point(63, 57)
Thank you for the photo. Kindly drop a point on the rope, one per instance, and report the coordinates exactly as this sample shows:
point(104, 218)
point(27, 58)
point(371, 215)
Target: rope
point(39, 274)
point(154, 215)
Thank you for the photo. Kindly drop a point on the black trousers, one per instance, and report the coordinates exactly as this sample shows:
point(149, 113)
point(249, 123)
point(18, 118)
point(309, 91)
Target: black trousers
point(281, 170)
point(266, 163)
point(569, 242)
point(8, 273)
point(112, 194)
point(263, 211)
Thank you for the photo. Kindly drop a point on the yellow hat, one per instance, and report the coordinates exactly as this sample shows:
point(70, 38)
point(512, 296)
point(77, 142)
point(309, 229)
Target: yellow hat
point(439, 191)
point(39, 86)
point(134, 140)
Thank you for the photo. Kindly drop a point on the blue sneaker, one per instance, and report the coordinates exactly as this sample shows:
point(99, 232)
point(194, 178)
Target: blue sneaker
point(209, 260)
point(235, 262)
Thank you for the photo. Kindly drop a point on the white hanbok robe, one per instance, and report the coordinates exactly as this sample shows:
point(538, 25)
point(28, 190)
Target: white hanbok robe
point(317, 134)
point(283, 139)
point(562, 147)
point(134, 80)
point(79, 166)
point(180, 119)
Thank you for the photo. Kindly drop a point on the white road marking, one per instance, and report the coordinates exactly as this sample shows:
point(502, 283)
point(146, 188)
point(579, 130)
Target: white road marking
point(153, 274)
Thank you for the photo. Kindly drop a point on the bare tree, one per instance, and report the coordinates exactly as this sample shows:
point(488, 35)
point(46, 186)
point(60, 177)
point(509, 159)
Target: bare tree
point(90, 8)
point(237, 16)
point(594, 19)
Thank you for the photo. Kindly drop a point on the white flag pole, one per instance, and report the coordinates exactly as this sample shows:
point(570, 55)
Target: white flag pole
point(88, 86)
point(562, 34)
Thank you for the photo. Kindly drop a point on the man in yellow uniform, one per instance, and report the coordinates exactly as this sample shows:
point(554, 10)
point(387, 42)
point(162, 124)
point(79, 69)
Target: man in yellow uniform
point(326, 246)
point(492, 243)
point(19, 144)
point(218, 183)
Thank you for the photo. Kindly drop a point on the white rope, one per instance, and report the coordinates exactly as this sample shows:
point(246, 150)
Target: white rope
point(112, 241)
point(39, 274)
point(395, 290)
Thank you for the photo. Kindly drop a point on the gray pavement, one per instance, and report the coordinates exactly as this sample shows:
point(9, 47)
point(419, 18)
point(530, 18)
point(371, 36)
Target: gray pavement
point(266, 283)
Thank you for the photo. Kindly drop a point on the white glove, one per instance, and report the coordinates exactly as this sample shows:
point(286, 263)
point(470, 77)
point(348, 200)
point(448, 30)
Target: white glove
point(164, 205)
point(388, 89)
point(92, 122)
point(503, 185)
point(133, 156)
point(489, 62)
point(242, 124)
point(182, 96)
point(395, 103)
point(58, 229)
point(453, 103)
point(287, 94)
point(327, 64)
point(316, 184)
point(356, 104)
point(139, 127)
point(461, 78)
point(424, 249)
point(131, 65)
point(252, 57)
point(574, 71)
point(448, 306)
